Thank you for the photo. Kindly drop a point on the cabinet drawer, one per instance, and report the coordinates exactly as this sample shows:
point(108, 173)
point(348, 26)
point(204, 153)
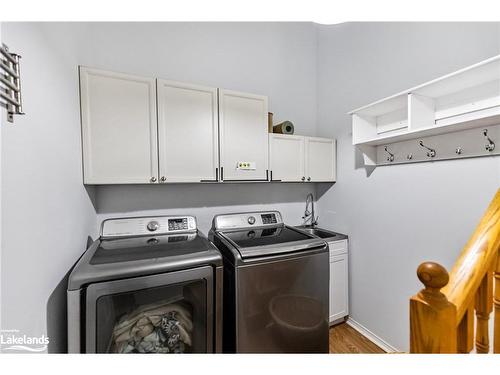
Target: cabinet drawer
point(337, 247)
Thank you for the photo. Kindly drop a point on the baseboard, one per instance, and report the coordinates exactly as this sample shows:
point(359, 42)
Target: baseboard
point(388, 348)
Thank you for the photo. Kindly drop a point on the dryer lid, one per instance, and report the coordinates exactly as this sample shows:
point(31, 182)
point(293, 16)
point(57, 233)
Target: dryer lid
point(158, 248)
point(271, 241)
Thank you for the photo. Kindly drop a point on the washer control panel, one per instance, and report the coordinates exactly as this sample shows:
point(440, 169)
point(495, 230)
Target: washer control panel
point(247, 220)
point(269, 218)
point(143, 226)
point(180, 223)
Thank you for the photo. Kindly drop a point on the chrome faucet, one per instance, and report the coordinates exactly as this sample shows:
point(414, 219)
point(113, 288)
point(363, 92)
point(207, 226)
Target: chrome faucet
point(309, 215)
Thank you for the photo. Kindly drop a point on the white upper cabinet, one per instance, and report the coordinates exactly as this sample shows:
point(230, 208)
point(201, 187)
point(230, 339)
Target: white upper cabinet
point(287, 157)
point(296, 158)
point(187, 132)
point(139, 130)
point(243, 136)
point(119, 128)
point(320, 159)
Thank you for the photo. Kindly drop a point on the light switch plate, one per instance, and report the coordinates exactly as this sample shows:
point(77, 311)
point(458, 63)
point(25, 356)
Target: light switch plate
point(246, 165)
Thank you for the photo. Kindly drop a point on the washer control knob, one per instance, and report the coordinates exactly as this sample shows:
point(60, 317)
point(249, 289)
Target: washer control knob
point(153, 226)
point(251, 220)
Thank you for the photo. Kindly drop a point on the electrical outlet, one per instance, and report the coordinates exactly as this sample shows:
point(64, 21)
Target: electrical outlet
point(246, 165)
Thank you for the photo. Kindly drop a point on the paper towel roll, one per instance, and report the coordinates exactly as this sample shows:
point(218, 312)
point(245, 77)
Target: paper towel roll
point(286, 127)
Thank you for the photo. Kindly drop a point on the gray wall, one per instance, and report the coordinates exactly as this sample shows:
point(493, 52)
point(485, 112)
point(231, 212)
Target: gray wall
point(47, 213)
point(401, 215)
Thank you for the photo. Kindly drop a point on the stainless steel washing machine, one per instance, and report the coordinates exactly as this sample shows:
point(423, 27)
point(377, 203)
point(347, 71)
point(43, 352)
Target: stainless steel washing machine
point(276, 283)
point(147, 285)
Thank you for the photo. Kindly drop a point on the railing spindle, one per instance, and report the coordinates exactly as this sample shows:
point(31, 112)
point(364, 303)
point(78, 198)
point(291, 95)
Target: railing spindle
point(484, 306)
point(465, 334)
point(496, 302)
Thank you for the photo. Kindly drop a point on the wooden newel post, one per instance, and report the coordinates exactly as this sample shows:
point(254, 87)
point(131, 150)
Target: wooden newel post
point(433, 319)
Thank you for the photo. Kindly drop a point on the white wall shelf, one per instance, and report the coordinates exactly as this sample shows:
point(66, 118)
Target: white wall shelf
point(457, 103)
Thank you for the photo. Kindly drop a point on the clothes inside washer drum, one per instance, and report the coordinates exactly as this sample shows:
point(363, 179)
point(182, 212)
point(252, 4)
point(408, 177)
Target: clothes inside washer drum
point(165, 327)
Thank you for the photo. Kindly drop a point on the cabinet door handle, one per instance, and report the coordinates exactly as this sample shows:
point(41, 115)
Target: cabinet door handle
point(163, 179)
point(216, 177)
point(303, 178)
point(308, 178)
point(152, 179)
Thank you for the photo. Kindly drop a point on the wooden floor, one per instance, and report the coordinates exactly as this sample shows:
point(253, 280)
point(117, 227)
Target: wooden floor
point(345, 339)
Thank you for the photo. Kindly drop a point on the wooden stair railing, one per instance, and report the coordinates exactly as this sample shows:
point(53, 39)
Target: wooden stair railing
point(442, 314)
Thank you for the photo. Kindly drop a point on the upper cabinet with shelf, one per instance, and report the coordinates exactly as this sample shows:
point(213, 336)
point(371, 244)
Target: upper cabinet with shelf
point(139, 130)
point(463, 100)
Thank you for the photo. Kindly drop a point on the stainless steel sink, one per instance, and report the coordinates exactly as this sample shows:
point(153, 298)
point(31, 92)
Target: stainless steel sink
point(322, 233)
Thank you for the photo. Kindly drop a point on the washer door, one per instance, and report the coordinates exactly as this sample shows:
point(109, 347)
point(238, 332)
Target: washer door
point(282, 305)
point(166, 313)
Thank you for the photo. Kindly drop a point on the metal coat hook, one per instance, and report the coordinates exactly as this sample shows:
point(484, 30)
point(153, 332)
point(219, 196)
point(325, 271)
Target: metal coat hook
point(431, 152)
point(391, 155)
point(491, 145)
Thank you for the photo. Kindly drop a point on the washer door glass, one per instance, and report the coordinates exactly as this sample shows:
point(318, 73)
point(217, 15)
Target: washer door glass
point(158, 320)
point(174, 317)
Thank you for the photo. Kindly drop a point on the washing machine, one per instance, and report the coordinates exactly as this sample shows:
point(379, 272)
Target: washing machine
point(276, 285)
point(147, 285)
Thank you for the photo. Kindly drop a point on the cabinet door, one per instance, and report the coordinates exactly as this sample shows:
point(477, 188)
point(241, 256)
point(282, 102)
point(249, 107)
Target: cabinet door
point(187, 132)
point(119, 129)
point(339, 300)
point(320, 159)
point(243, 136)
point(286, 155)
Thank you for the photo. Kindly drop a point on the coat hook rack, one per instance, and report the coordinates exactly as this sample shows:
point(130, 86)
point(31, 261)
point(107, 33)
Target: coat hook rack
point(430, 151)
point(459, 145)
point(390, 158)
point(491, 145)
point(10, 83)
